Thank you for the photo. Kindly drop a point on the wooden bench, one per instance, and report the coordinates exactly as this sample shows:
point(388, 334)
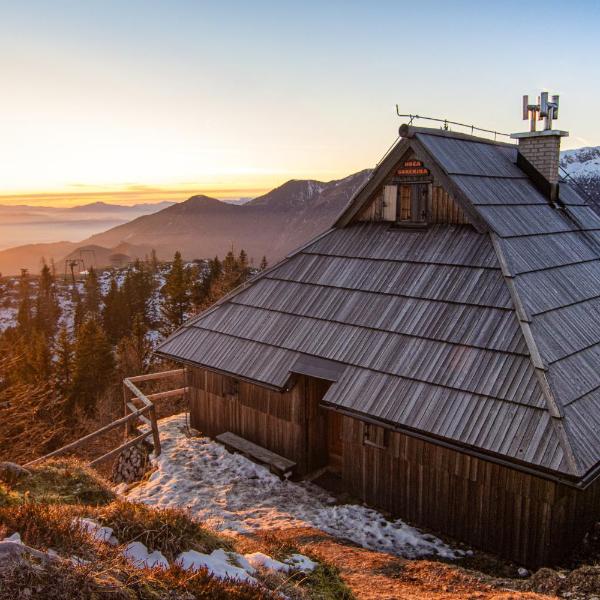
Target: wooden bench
point(277, 464)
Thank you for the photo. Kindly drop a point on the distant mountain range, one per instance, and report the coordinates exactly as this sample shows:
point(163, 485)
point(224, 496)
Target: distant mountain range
point(93, 208)
point(25, 224)
point(200, 227)
point(271, 225)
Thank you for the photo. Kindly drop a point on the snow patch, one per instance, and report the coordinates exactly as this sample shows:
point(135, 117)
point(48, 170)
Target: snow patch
point(258, 560)
point(97, 531)
point(299, 562)
point(218, 563)
point(230, 493)
point(138, 555)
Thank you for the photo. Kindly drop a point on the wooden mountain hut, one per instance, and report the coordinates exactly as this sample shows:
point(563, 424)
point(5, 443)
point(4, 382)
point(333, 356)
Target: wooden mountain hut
point(437, 349)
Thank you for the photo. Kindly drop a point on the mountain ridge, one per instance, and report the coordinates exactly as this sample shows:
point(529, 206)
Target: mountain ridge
point(272, 224)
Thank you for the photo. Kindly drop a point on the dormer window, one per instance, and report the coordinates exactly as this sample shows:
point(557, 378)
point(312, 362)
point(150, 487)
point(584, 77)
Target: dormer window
point(405, 198)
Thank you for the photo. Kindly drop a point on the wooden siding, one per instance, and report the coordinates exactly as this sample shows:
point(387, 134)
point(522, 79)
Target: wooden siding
point(531, 520)
point(288, 423)
point(442, 208)
point(374, 211)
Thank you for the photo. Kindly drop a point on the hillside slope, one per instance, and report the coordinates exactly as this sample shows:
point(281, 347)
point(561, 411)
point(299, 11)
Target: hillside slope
point(270, 225)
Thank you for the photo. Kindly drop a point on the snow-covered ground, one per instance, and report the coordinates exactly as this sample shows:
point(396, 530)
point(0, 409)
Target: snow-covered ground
point(231, 493)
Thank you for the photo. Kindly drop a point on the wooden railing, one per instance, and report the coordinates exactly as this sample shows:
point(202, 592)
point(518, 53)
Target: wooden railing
point(139, 408)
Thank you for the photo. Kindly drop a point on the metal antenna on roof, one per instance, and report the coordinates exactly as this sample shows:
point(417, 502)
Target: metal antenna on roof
point(446, 124)
point(542, 110)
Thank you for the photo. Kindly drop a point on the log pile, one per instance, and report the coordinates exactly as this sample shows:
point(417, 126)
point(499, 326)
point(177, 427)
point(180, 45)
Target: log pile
point(131, 464)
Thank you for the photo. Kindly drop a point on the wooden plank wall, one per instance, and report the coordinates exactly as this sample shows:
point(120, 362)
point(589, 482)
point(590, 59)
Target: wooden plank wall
point(373, 211)
point(528, 519)
point(287, 423)
point(441, 209)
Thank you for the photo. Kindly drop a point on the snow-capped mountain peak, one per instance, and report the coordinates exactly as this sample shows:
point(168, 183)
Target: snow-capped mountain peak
point(583, 165)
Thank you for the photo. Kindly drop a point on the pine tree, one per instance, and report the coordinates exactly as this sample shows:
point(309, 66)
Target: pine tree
point(243, 260)
point(176, 293)
point(263, 263)
point(198, 286)
point(92, 299)
point(64, 363)
point(134, 350)
point(137, 290)
point(38, 358)
point(154, 264)
point(78, 308)
point(93, 367)
point(47, 310)
point(216, 268)
point(242, 269)
point(24, 315)
point(229, 263)
point(115, 317)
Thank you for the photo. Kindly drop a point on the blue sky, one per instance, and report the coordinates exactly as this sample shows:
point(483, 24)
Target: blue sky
point(235, 97)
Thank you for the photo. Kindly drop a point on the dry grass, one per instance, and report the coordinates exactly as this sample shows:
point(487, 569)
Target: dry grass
point(7, 496)
point(114, 579)
point(65, 481)
point(59, 581)
point(371, 575)
point(169, 530)
point(44, 526)
point(43, 509)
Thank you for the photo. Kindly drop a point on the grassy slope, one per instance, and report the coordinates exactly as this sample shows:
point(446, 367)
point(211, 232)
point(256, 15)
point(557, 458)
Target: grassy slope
point(42, 510)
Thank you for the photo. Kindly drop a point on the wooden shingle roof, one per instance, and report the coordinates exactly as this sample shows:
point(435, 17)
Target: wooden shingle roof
point(484, 336)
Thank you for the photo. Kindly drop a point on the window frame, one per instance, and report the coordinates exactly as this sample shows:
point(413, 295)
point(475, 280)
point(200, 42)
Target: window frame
point(380, 434)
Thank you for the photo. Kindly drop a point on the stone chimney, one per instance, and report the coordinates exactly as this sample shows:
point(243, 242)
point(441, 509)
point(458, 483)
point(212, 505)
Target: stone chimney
point(541, 149)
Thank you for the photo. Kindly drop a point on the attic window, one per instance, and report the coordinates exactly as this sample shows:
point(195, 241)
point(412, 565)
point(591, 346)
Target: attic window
point(406, 197)
point(406, 203)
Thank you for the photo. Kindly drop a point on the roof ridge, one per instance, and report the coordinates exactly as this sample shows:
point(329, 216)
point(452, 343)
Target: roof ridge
point(408, 131)
point(554, 407)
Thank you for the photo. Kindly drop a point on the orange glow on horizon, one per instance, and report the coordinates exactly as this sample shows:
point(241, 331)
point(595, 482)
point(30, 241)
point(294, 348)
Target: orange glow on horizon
point(127, 196)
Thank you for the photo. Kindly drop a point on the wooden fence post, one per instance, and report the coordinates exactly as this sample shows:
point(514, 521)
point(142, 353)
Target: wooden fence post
point(155, 434)
point(128, 426)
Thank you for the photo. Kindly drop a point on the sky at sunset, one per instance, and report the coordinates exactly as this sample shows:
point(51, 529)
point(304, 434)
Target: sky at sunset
point(136, 101)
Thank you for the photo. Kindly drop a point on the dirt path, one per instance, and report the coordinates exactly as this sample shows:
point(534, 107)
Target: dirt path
point(378, 576)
